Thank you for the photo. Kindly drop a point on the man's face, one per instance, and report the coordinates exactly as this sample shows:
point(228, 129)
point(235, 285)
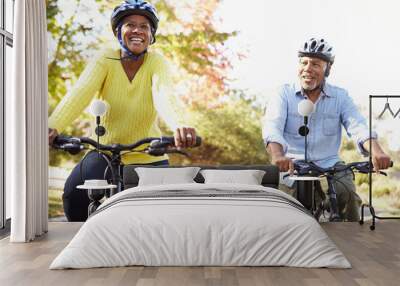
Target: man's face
point(311, 72)
point(136, 33)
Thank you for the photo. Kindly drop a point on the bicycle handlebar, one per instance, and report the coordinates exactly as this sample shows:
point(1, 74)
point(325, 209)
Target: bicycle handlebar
point(309, 168)
point(158, 145)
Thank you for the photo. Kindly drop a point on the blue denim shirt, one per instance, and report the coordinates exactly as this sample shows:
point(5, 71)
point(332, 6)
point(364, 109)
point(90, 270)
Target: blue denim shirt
point(333, 109)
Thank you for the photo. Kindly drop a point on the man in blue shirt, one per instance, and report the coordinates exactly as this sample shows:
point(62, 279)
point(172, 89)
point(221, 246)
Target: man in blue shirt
point(333, 108)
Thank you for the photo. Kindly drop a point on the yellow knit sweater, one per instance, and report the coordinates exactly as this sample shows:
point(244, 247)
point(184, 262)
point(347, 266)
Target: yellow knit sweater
point(131, 114)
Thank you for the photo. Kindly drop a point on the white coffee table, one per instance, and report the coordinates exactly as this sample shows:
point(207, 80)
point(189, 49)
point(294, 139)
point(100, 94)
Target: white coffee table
point(94, 194)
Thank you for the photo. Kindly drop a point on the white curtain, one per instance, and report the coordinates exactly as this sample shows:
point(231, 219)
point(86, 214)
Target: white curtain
point(26, 124)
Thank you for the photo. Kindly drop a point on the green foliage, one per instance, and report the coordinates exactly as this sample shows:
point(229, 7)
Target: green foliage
point(65, 65)
point(348, 145)
point(192, 51)
point(231, 134)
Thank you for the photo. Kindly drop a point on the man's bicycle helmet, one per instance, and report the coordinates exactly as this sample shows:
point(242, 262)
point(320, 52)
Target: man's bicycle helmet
point(318, 48)
point(134, 7)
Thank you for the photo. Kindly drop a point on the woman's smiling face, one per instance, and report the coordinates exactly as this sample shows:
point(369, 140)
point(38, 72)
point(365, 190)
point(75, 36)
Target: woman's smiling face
point(136, 33)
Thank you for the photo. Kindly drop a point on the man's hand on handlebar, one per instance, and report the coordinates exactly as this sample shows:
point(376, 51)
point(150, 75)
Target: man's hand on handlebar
point(185, 137)
point(284, 163)
point(53, 133)
point(381, 161)
point(278, 157)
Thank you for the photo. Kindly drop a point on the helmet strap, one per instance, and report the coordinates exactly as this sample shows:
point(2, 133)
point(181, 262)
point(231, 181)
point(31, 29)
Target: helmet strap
point(328, 69)
point(124, 48)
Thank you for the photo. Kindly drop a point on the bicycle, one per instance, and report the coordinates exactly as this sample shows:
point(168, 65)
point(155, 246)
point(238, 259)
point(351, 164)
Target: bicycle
point(112, 153)
point(305, 191)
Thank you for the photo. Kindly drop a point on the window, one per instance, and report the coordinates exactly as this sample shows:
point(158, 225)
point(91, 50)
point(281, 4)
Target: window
point(8, 62)
point(6, 44)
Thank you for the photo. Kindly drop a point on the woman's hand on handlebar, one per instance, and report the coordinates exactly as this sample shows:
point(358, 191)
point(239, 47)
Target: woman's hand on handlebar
point(185, 137)
point(53, 133)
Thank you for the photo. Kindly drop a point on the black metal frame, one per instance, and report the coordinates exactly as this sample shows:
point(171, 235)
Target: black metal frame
point(369, 205)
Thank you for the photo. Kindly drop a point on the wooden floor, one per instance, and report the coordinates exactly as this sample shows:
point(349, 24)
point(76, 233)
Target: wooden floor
point(374, 255)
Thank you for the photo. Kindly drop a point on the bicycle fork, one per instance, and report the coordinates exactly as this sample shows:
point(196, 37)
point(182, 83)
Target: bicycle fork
point(117, 173)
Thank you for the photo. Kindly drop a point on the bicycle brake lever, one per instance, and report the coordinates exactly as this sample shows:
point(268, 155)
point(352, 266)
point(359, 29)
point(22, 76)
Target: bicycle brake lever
point(367, 172)
point(155, 151)
point(290, 175)
point(382, 173)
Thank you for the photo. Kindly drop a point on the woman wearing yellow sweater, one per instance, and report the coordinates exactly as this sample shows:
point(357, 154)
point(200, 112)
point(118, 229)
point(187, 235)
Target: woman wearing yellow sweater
point(134, 83)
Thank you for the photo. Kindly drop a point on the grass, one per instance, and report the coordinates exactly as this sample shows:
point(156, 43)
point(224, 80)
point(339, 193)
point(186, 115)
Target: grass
point(385, 193)
point(55, 203)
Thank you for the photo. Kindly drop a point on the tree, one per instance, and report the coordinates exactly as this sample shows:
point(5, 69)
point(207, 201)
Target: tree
point(231, 133)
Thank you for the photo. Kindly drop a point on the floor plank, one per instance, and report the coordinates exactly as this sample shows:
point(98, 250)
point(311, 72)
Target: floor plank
point(374, 255)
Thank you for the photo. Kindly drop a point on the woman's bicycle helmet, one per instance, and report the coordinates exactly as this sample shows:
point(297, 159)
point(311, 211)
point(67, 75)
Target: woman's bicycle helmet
point(318, 48)
point(133, 7)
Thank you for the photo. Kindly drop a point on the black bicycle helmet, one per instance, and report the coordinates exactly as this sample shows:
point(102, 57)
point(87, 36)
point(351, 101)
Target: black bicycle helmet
point(318, 48)
point(134, 7)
